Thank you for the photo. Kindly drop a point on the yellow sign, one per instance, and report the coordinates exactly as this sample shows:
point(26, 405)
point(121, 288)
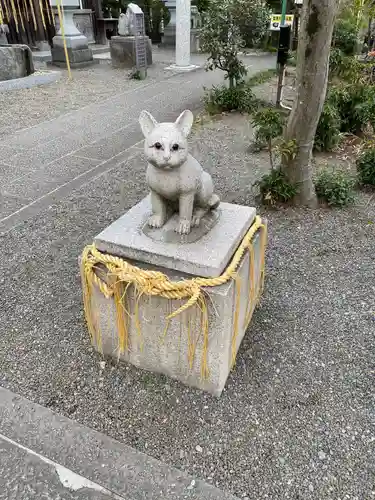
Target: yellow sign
point(276, 21)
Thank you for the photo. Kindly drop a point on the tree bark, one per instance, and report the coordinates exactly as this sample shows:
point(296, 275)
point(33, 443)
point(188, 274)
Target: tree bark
point(318, 17)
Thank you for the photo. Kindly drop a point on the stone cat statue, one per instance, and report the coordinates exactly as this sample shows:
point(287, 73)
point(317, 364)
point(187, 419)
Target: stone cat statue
point(176, 179)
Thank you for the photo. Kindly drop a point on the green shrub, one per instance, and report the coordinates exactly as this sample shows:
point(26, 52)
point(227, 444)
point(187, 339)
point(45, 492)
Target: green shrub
point(346, 68)
point(335, 187)
point(345, 36)
point(355, 104)
point(269, 124)
point(223, 98)
point(366, 167)
point(275, 188)
point(327, 134)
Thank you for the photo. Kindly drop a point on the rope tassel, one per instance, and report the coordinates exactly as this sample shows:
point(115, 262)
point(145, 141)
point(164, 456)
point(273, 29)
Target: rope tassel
point(120, 276)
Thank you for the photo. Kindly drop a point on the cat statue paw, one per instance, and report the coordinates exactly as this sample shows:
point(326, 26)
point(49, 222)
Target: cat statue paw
point(176, 179)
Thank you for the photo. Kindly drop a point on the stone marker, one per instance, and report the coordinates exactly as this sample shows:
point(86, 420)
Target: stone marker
point(79, 52)
point(125, 48)
point(209, 332)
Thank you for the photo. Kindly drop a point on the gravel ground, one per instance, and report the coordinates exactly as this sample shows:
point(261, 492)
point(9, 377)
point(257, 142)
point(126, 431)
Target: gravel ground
point(296, 420)
point(45, 102)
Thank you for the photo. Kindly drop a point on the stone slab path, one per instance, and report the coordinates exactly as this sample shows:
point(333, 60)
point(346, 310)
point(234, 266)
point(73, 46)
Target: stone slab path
point(49, 457)
point(43, 163)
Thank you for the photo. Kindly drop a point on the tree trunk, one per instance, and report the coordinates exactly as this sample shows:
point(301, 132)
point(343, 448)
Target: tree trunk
point(318, 17)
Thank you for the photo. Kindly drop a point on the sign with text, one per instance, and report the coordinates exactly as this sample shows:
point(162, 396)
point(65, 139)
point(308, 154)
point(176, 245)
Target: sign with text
point(276, 21)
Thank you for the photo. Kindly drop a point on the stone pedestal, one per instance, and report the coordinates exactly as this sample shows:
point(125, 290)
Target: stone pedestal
point(123, 53)
point(154, 348)
point(169, 36)
point(194, 40)
point(79, 52)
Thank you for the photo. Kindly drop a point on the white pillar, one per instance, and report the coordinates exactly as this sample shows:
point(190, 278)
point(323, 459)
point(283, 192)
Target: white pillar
point(183, 17)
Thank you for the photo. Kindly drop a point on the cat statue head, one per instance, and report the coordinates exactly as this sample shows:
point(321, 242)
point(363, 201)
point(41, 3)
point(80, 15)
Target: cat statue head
point(166, 143)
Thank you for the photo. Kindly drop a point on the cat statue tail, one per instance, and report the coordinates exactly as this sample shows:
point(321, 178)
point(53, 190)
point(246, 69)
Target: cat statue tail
point(214, 202)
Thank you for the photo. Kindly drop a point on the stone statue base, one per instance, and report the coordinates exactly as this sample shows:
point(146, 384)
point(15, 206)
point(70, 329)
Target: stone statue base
point(208, 256)
point(79, 52)
point(123, 53)
point(78, 58)
point(169, 38)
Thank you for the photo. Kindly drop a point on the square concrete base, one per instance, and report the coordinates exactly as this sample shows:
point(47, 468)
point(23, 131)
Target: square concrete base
point(229, 305)
point(78, 58)
point(123, 51)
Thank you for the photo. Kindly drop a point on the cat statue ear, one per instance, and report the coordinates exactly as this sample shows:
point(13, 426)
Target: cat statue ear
point(147, 123)
point(185, 121)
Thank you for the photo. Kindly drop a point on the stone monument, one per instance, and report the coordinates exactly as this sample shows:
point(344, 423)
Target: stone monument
point(131, 40)
point(171, 286)
point(79, 52)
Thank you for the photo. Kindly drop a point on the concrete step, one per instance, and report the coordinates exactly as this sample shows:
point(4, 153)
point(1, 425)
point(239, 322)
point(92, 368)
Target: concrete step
point(45, 55)
point(44, 455)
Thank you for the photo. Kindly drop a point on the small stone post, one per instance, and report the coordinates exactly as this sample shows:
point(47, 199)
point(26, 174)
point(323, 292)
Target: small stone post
point(183, 17)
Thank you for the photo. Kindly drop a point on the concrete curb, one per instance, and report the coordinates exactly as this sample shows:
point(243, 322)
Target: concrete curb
point(110, 465)
point(30, 81)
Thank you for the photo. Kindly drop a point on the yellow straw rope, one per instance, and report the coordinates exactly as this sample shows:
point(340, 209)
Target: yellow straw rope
point(14, 11)
point(120, 273)
point(42, 14)
point(1, 14)
point(6, 11)
point(27, 16)
point(49, 14)
point(33, 14)
point(59, 9)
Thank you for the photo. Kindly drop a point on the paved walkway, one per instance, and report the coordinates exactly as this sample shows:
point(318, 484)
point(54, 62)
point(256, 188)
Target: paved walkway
point(44, 456)
point(42, 164)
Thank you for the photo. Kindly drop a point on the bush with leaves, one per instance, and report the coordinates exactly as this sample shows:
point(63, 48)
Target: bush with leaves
point(221, 38)
point(335, 187)
point(253, 19)
point(356, 106)
point(221, 99)
point(327, 134)
point(269, 124)
point(366, 167)
point(345, 36)
point(275, 188)
point(345, 68)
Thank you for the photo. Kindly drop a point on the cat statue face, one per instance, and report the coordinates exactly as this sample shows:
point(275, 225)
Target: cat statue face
point(166, 143)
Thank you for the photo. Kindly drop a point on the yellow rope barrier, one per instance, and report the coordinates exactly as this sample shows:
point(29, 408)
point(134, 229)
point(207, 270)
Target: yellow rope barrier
point(120, 275)
point(59, 9)
point(42, 15)
point(7, 15)
point(33, 14)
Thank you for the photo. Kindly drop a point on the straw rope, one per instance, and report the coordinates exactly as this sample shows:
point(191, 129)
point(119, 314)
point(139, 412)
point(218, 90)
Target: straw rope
point(121, 274)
